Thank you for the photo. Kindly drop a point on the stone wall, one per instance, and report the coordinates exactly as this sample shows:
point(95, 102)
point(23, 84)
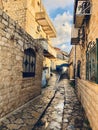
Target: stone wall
point(16, 9)
point(71, 63)
point(72, 59)
point(14, 89)
point(88, 91)
point(92, 29)
point(23, 11)
point(91, 33)
point(88, 95)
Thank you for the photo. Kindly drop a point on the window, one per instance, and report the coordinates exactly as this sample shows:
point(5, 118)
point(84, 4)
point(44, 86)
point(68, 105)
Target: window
point(79, 69)
point(91, 62)
point(29, 61)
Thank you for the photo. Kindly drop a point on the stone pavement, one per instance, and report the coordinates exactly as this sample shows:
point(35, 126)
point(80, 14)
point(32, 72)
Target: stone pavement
point(52, 120)
point(73, 114)
point(26, 117)
point(65, 111)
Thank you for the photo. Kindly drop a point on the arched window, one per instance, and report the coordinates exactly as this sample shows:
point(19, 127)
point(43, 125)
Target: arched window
point(29, 62)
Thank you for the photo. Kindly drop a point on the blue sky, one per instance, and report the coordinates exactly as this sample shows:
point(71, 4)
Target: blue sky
point(61, 14)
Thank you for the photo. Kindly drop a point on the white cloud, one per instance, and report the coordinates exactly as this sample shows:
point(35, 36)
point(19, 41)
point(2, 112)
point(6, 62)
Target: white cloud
point(62, 23)
point(65, 47)
point(54, 4)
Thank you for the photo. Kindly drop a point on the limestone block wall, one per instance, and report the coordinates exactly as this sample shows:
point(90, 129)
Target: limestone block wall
point(32, 27)
point(16, 9)
point(71, 72)
point(1, 6)
point(14, 89)
point(80, 56)
point(92, 27)
point(88, 95)
point(71, 62)
point(23, 12)
point(91, 31)
point(88, 91)
point(83, 64)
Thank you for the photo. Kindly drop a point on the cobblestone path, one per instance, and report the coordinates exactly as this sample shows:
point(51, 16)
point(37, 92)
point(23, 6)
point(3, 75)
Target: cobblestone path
point(64, 112)
point(25, 117)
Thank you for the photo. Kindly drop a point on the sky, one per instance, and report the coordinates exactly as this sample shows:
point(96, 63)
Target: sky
point(61, 14)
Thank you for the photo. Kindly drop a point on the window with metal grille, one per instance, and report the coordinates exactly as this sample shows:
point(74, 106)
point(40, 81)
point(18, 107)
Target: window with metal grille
point(29, 62)
point(91, 62)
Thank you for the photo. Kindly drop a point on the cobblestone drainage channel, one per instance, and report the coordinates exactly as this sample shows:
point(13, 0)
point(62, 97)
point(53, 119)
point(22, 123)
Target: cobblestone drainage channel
point(39, 122)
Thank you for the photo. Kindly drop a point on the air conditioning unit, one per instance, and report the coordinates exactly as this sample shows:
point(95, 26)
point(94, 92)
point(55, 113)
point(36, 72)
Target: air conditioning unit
point(83, 8)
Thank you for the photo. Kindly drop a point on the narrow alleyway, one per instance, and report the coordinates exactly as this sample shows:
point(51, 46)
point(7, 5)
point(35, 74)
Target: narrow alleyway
point(56, 109)
point(65, 111)
point(26, 117)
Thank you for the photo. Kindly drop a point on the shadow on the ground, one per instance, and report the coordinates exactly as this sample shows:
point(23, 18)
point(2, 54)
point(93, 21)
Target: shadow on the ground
point(64, 76)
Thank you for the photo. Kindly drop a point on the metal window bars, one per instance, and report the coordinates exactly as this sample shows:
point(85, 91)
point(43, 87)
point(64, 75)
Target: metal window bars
point(83, 8)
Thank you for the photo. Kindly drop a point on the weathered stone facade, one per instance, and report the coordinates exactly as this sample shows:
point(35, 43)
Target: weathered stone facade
point(88, 89)
point(33, 18)
point(25, 13)
point(71, 63)
point(16, 10)
point(75, 56)
point(88, 94)
point(14, 89)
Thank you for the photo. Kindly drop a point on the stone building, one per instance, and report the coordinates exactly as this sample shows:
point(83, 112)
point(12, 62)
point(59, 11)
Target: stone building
point(49, 54)
point(57, 59)
point(71, 64)
point(24, 28)
point(85, 40)
point(32, 17)
point(20, 65)
point(75, 58)
point(61, 61)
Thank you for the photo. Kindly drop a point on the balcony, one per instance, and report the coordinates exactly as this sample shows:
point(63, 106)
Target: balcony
point(83, 11)
point(74, 36)
point(49, 51)
point(43, 20)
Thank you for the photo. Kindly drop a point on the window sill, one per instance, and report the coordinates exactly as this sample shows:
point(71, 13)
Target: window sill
point(28, 75)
